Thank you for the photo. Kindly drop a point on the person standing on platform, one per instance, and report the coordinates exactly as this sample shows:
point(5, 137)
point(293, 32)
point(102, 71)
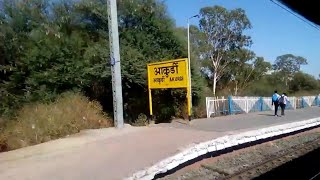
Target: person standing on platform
point(283, 102)
point(275, 102)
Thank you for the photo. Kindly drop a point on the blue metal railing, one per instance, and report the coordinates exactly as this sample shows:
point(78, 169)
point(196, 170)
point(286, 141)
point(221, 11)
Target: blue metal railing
point(260, 105)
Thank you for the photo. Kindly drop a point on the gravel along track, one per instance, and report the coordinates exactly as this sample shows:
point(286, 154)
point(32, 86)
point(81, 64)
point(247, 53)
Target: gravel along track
point(253, 161)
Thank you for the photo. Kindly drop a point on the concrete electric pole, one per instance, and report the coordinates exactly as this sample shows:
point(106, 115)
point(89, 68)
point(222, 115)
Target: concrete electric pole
point(115, 63)
point(189, 56)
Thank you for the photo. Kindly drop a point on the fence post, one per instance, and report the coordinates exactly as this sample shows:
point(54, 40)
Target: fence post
point(247, 105)
point(261, 103)
point(224, 105)
point(207, 107)
point(230, 104)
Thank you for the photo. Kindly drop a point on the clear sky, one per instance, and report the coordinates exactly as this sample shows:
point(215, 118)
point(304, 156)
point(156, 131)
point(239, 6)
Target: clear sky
point(275, 31)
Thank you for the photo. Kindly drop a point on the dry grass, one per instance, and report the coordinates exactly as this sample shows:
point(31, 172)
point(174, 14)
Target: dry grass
point(38, 123)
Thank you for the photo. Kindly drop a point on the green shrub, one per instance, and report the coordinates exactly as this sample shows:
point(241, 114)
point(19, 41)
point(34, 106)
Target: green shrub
point(181, 110)
point(142, 120)
point(199, 111)
point(38, 123)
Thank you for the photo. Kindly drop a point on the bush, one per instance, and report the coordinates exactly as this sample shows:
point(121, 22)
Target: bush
point(142, 120)
point(181, 110)
point(199, 112)
point(38, 123)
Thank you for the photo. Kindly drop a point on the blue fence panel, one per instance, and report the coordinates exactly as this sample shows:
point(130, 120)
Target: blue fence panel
point(303, 103)
point(236, 105)
point(314, 102)
point(261, 103)
point(230, 104)
point(289, 105)
point(236, 108)
point(266, 105)
point(256, 107)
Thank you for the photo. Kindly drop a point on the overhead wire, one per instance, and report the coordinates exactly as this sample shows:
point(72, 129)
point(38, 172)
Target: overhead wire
point(315, 176)
point(297, 16)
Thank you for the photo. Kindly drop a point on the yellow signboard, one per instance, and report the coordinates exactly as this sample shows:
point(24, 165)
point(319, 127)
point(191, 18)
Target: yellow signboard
point(168, 74)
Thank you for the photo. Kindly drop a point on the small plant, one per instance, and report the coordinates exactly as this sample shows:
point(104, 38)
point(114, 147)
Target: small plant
point(181, 111)
point(199, 112)
point(142, 120)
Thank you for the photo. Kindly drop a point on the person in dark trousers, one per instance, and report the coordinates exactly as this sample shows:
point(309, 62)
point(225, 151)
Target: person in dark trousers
point(275, 102)
point(283, 102)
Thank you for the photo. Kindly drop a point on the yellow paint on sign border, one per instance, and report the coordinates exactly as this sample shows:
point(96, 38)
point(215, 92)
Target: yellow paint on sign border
point(168, 74)
point(164, 72)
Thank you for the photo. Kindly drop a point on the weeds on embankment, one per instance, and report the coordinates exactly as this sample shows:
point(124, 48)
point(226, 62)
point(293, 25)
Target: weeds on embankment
point(38, 123)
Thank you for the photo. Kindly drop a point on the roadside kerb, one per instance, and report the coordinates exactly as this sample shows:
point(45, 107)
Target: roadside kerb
point(221, 143)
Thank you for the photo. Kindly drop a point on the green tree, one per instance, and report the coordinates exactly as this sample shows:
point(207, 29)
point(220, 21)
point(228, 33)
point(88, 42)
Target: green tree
point(198, 82)
point(304, 82)
point(18, 19)
point(247, 70)
point(49, 47)
point(222, 32)
point(287, 65)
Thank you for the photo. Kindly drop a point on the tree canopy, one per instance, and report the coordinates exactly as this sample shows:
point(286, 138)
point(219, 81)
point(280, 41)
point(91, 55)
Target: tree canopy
point(222, 33)
point(48, 47)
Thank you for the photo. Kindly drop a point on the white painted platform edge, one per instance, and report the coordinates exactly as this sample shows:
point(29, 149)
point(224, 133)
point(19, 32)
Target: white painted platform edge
point(220, 144)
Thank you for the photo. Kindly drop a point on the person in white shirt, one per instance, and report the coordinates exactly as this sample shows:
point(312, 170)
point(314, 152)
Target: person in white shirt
point(283, 102)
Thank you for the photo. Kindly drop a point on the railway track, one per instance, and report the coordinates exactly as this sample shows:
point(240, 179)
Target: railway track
point(275, 161)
